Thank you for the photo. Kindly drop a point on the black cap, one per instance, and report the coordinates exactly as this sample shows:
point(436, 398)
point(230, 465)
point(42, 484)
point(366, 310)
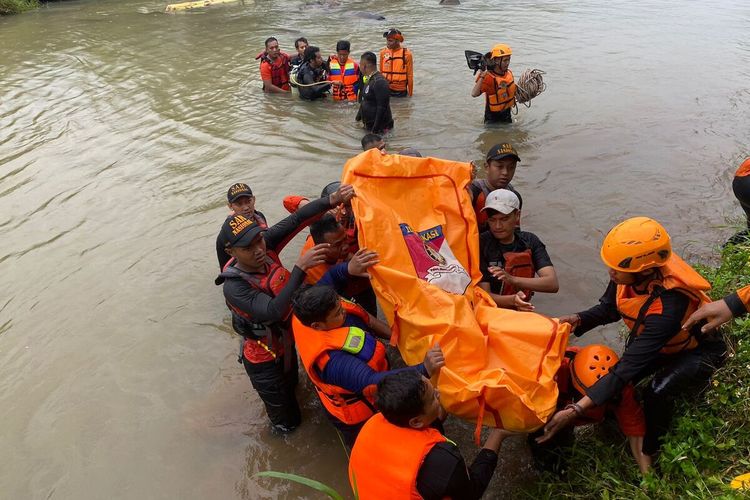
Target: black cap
point(239, 231)
point(500, 151)
point(238, 190)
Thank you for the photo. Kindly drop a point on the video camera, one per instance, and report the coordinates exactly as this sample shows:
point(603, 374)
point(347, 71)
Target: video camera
point(478, 61)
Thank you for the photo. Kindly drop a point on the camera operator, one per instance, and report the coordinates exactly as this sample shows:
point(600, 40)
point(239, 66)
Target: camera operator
point(496, 82)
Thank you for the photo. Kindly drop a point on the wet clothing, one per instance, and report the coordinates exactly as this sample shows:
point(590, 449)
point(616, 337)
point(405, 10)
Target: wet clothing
point(679, 374)
point(358, 290)
point(499, 91)
point(221, 253)
point(397, 66)
point(375, 107)
point(741, 189)
point(348, 74)
point(491, 254)
point(262, 319)
point(307, 75)
point(479, 189)
point(277, 71)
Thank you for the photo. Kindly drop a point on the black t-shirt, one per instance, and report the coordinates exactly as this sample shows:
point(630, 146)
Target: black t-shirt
point(444, 474)
point(491, 254)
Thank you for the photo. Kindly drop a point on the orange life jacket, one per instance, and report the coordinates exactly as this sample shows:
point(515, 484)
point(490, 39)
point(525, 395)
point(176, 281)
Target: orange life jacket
point(313, 347)
point(348, 75)
point(280, 70)
point(313, 275)
point(271, 283)
point(676, 275)
point(393, 68)
point(385, 460)
point(503, 93)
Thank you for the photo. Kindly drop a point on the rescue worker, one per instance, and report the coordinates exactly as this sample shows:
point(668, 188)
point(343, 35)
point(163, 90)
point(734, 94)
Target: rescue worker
point(497, 84)
point(514, 263)
point(741, 188)
point(311, 76)
point(717, 313)
point(500, 165)
point(397, 65)
point(258, 291)
point(241, 201)
point(370, 141)
point(343, 73)
point(274, 68)
point(399, 455)
point(579, 370)
point(654, 291)
point(374, 98)
point(336, 343)
point(326, 230)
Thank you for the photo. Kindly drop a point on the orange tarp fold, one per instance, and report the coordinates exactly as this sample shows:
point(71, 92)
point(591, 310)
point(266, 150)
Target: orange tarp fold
point(417, 214)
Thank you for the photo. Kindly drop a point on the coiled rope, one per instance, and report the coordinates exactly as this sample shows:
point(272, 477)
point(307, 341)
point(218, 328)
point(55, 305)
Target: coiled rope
point(529, 85)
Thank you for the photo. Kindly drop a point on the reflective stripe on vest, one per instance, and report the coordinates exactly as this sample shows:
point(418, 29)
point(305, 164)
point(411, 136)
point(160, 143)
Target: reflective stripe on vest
point(385, 460)
point(349, 77)
point(676, 275)
point(313, 346)
point(503, 95)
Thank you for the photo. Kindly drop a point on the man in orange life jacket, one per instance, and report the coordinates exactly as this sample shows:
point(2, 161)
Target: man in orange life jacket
point(501, 167)
point(654, 291)
point(498, 86)
point(241, 201)
point(514, 263)
point(274, 68)
point(343, 72)
point(399, 455)
point(337, 345)
point(397, 65)
point(258, 292)
point(579, 370)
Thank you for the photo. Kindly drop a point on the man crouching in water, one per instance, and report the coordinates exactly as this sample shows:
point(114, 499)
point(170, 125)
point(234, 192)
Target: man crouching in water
point(399, 455)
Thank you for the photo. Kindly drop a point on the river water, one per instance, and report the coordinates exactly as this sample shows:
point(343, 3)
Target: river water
point(121, 128)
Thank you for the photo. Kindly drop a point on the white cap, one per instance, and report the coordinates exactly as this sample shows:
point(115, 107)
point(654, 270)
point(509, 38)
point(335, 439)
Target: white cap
point(502, 200)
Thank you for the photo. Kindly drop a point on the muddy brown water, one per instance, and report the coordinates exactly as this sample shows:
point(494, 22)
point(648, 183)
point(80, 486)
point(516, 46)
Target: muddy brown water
point(121, 128)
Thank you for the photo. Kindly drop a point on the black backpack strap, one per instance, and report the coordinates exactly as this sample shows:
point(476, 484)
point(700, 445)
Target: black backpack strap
point(642, 314)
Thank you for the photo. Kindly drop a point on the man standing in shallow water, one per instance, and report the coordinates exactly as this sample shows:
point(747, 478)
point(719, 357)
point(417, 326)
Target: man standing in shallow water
point(274, 68)
point(375, 98)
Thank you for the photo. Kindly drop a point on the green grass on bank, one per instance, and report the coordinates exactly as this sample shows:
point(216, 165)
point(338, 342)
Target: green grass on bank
point(709, 444)
point(17, 6)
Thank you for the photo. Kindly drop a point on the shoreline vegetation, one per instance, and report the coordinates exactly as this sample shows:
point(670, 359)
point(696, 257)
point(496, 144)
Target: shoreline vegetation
point(709, 444)
point(8, 7)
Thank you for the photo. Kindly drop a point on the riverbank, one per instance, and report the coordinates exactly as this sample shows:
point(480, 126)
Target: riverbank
point(710, 441)
point(8, 7)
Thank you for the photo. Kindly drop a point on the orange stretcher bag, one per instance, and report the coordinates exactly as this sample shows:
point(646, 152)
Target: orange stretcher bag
point(417, 214)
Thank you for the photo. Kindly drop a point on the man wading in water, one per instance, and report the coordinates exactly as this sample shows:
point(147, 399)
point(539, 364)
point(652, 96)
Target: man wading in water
point(375, 98)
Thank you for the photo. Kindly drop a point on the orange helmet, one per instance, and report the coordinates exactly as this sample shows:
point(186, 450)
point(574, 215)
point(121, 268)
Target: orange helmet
point(635, 245)
point(590, 364)
point(501, 50)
